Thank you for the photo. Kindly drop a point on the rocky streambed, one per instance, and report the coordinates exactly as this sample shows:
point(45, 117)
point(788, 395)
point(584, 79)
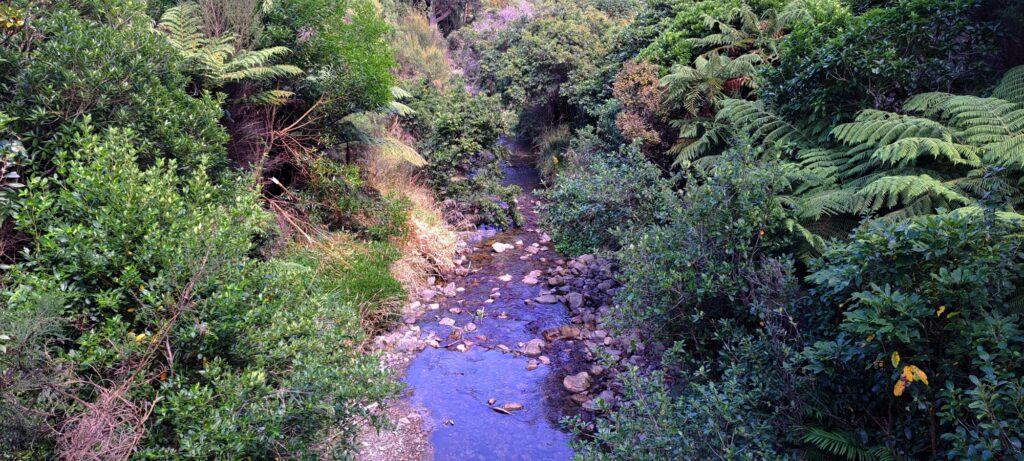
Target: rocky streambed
point(496, 356)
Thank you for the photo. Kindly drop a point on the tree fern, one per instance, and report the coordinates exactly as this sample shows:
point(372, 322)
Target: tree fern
point(216, 62)
point(744, 32)
point(699, 88)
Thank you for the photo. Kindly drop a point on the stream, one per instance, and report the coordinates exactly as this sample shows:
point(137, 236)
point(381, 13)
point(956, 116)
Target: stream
point(475, 383)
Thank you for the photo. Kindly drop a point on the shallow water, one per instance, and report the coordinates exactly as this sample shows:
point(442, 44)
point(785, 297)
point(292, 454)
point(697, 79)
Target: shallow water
point(455, 386)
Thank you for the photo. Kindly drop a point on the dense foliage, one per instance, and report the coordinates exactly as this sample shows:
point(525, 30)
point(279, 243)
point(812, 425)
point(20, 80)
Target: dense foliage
point(819, 216)
point(189, 269)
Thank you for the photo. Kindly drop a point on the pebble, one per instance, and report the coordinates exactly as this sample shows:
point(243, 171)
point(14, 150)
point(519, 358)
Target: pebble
point(446, 322)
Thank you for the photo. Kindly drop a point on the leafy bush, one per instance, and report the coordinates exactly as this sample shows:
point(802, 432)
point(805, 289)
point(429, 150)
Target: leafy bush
point(745, 412)
point(879, 58)
point(262, 358)
point(922, 330)
point(342, 46)
point(614, 191)
point(712, 257)
point(117, 76)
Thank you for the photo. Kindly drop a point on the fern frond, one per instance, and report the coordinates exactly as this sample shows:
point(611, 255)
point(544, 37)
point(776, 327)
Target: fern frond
point(906, 151)
point(844, 445)
point(261, 73)
point(269, 97)
point(893, 191)
point(1011, 87)
point(879, 128)
point(1007, 153)
point(393, 148)
point(980, 121)
point(763, 126)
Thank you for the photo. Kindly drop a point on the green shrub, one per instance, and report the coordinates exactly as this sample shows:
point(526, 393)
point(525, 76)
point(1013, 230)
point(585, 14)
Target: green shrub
point(343, 48)
point(264, 357)
point(713, 257)
point(116, 76)
point(615, 191)
point(941, 294)
point(879, 58)
point(745, 411)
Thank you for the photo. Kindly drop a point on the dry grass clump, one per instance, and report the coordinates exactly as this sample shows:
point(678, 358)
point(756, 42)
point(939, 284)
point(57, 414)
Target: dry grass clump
point(429, 246)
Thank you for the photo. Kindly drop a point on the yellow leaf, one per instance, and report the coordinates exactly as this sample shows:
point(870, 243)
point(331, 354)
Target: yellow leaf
point(897, 390)
point(895, 359)
point(140, 337)
point(940, 311)
point(908, 375)
point(918, 374)
point(871, 337)
point(131, 309)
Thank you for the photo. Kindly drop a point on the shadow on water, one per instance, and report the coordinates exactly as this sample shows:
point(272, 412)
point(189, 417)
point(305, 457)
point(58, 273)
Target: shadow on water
point(456, 386)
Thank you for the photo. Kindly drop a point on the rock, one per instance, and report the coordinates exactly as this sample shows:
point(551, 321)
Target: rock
point(432, 343)
point(596, 370)
point(546, 299)
point(575, 300)
point(455, 310)
point(555, 281)
point(530, 280)
point(491, 401)
point(545, 238)
point(499, 247)
point(461, 347)
point(579, 382)
point(448, 322)
point(505, 278)
point(608, 397)
point(565, 332)
point(532, 365)
point(544, 359)
point(534, 347)
point(434, 306)
point(470, 327)
point(427, 294)
point(503, 348)
point(580, 398)
point(512, 406)
point(600, 334)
